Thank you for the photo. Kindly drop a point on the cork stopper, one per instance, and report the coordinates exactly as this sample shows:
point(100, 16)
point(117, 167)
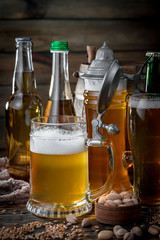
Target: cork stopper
point(91, 53)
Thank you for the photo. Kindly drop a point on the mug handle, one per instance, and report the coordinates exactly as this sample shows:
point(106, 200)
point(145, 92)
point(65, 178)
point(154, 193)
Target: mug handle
point(106, 143)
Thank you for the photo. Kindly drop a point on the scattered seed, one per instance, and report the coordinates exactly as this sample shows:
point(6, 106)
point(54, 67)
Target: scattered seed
point(55, 221)
point(69, 224)
point(96, 226)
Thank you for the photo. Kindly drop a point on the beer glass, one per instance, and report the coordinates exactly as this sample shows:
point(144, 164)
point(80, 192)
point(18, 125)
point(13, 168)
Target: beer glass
point(59, 166)
point(144, 138)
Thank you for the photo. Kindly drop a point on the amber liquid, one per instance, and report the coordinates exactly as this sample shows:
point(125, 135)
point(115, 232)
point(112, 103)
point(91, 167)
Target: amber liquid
point(60, 107)
point(144, 132)
point(116, 113)
point(21, 107)
point(65, 178)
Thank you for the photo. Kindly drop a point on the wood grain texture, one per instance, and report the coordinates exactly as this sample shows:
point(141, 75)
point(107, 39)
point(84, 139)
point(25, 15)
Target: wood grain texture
point(43, 65)
point(23, 9)
point(17, 215)
point(119, 35)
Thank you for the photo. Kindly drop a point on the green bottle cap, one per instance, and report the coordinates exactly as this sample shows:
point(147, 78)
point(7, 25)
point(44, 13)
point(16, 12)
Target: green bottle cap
point(59, 46)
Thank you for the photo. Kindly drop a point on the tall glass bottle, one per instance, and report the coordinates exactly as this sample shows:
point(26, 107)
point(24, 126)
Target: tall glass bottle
point(60, 97)
point(153, 73)
point(23, 105)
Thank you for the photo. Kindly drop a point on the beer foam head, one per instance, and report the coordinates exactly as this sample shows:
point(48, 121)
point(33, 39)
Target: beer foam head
point(144, 103)
point(57, 141)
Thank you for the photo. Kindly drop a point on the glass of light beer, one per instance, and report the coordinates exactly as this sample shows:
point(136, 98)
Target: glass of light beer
point(59, 167)
point(144, 138)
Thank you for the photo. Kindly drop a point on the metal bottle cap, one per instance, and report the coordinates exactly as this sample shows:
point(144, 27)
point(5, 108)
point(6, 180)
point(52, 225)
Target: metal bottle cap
point(152, 54)
point(101, 63)
point(23, 39)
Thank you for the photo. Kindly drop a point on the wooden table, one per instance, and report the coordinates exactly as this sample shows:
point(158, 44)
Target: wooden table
point(17, 216)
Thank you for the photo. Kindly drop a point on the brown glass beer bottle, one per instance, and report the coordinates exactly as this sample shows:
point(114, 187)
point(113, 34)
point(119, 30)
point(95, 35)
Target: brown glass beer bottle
point(23, 105)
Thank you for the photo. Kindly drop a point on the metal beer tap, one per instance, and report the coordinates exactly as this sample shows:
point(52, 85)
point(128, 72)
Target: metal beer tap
point(109, 85)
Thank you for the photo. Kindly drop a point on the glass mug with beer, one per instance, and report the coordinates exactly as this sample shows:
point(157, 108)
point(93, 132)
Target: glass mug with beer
point(144, 138)
point(94, 78)
point(59, 166)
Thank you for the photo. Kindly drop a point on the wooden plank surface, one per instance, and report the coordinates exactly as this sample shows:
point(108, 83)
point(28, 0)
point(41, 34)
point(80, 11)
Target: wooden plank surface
point(43, 83)
point(2, 137)
point(119, 34)
point(16, 9)
point(2, 153)
point(43, 65)
point(17, 215)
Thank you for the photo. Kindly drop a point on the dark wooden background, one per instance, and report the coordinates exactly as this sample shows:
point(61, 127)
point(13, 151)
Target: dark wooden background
point(130, 28)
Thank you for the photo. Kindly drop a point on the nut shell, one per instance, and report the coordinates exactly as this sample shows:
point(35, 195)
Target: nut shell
point(113, 196)
point(105, 235)
point(137, 231)
point(154, 230)
point(111, 203)
point(128, 236)
point(102, 200)
point(120, 233)
point(116, 228)
point(86, 222)
point(71, 219)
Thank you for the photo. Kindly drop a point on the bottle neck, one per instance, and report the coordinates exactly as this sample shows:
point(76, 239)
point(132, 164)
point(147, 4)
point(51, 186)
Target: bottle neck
point(153, 75)
point(60, 86)
point(23, 77)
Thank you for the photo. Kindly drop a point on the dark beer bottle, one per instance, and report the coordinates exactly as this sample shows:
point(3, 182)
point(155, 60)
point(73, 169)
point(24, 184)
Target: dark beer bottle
point(23, 105)
point(60, 97)
point(153, 73)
